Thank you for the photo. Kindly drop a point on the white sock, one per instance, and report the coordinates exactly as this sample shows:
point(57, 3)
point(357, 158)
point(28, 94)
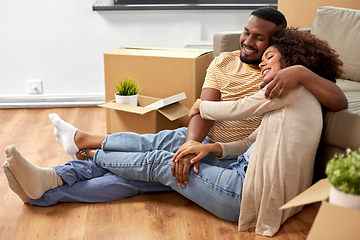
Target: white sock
point(14, 184)
point(64, 134)
point(60, 140)
point(34, 180)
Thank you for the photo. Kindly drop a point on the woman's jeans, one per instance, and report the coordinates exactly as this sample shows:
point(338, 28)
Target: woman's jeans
point(147, 158)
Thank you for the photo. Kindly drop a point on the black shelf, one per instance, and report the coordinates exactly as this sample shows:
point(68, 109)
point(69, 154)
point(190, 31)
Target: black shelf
point(106, 5)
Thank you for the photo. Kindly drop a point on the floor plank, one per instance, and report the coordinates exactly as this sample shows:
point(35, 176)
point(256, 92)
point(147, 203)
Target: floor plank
point(147, 216)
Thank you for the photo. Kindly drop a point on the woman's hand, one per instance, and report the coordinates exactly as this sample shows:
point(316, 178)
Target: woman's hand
point(192, 147)
point(195, 109)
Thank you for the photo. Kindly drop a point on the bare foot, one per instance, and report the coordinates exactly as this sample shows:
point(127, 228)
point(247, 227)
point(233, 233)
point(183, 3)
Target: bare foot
point(89, 154)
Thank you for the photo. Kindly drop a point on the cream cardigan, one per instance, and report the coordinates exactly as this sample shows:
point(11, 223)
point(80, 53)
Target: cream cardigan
point(281, 164)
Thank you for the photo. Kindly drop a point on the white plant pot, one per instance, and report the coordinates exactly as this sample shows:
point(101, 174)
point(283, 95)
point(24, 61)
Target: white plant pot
point(130, 100)
point(340, 198)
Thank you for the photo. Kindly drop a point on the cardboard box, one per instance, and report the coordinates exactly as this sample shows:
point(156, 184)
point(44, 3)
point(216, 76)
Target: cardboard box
point(332, 222)
point(144, 118)
point(160, 72)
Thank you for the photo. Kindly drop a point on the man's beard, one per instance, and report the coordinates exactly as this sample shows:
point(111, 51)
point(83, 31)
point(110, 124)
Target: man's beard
point(245, 59)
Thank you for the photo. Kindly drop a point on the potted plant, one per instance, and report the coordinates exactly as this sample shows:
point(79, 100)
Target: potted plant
point(343, 172)
point(126, 91)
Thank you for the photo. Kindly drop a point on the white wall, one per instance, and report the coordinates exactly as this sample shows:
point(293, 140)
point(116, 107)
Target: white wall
point(62, 42)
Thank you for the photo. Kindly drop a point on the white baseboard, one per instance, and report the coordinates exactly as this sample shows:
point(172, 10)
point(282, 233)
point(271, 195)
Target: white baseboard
point(50, 101)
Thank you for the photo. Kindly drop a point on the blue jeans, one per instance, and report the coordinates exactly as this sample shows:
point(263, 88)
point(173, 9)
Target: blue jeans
point(148, 158)
point(88, 182)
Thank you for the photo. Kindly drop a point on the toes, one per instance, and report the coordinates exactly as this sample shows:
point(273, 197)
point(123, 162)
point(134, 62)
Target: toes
point(52, 116)
point(10, 150)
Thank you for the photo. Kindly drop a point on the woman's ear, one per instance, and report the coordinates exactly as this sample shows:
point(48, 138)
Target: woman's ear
point(283, 64)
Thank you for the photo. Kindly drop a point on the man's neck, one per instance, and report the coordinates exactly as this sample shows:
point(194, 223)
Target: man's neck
point(254, 66)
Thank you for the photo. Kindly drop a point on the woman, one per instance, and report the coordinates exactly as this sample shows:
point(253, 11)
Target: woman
point(281, 161)
point(291, 125)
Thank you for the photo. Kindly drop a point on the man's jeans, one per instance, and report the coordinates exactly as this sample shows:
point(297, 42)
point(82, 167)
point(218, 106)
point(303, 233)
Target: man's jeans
point(90, 183)
point(147, 158)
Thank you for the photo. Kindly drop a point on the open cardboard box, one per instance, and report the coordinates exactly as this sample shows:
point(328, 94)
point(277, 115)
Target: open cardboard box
point(150, 116)
point(159, 71)
point(332, 222)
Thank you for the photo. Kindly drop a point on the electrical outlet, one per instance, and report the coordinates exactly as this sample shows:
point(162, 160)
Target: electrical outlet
point(35, 86)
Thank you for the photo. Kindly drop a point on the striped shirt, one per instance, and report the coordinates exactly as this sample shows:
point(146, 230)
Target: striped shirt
point(235, 80)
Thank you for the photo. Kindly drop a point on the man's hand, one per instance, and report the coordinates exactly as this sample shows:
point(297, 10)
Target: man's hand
point(278, 83)
point(327, 92)
point(181, 168)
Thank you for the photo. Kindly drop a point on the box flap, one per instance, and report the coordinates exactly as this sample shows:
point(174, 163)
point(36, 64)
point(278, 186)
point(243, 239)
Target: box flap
point(146, 100)
point(167, 101)
point(333, 222)
point(126, 108)
point(168, 107)
point(161, 52)
point(316, 193)
point(190, 50)
point(174, 111)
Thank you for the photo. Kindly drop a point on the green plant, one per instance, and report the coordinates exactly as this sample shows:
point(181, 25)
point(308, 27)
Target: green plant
point(343, 171)
point(127, 87)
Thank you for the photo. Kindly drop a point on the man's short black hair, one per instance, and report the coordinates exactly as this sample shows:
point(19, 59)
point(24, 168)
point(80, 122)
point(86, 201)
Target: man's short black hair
point(272, 15)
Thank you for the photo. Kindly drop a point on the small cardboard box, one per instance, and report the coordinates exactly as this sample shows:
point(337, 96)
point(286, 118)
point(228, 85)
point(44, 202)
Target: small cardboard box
point(160, 72)
point(332, 222)
point(150, 116)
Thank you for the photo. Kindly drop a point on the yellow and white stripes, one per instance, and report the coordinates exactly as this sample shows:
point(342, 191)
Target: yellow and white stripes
point(235, 80)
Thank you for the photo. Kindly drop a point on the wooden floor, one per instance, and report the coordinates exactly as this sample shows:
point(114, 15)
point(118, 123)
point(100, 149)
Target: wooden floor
point(147, 216)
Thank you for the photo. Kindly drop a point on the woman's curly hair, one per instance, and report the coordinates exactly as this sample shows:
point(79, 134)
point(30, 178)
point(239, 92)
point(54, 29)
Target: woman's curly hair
point(302, 48)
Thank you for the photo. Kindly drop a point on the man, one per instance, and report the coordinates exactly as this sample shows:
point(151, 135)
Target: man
point(229, 77)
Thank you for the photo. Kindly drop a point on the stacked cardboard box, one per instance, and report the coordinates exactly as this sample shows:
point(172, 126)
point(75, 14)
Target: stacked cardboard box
point(160, 72)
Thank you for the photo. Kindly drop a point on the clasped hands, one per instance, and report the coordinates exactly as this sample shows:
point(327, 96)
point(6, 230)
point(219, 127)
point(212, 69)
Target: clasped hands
point(189, 154)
